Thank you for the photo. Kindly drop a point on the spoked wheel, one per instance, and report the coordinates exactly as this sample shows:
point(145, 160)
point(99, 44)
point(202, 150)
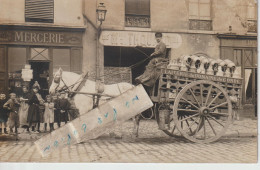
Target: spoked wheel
point(172, 131)
point(205, 110)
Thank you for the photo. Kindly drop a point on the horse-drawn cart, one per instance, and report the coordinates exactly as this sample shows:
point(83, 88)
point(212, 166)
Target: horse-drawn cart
point(194, 105)
point(191, 100)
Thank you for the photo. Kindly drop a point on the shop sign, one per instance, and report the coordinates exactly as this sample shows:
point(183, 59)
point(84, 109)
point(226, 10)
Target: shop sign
point(40, 37)
point(143, 39)
point(238, 43)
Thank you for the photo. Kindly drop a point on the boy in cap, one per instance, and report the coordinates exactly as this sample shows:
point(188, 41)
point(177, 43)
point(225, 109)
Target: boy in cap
point(62, 106)
point(13, 106)
point(149, 77)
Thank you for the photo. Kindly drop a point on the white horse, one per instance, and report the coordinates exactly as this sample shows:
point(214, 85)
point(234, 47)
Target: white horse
point(68, 80)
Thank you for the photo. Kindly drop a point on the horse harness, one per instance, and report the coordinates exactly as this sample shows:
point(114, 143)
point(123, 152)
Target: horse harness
point(66, 88)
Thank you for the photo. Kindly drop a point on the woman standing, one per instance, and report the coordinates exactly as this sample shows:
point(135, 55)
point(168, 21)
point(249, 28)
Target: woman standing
point(34, 108)
point(23, 111)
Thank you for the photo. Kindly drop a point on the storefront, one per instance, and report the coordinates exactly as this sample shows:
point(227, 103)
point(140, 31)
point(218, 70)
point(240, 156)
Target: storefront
point(45, 49)
point(124, 52)
point(243, 51)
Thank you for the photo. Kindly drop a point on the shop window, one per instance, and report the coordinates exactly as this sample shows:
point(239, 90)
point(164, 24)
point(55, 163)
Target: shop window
point(252, 17)
point(61, 59)
point(39, 11)
point(40, 54)
point(237, 57)
point(248, 58)
point(16, 59)
point(2, 60)
point(200, 15)
point(76, 61)
point(137, 13)
point(3, 70)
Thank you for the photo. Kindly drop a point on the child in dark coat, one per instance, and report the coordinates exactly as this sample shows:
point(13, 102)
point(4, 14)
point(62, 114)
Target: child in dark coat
point(13, 106)
point(3, 113)
point(63, 106)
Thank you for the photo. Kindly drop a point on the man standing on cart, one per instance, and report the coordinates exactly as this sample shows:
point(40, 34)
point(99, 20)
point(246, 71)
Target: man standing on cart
point(158, 57)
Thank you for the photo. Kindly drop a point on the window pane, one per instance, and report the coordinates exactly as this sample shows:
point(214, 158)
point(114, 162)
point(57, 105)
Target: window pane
point(2, 60)
point(248, 58)
point(144, 7)
point(16, 58)
point(76, 60)
point(61, 58)
point(237, 57)
point(39, 54)
point(131, 6)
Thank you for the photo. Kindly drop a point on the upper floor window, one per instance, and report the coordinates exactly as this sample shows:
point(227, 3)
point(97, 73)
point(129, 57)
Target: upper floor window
point(39, 11)
point(252, 17)
point(137, 13)
point(200, 15)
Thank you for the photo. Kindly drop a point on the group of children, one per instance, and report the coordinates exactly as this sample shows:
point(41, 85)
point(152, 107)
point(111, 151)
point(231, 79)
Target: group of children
point(30, 110)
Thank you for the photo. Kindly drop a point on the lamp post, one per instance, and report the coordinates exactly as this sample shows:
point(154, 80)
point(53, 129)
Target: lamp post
point(101, 16)
point(101, 13)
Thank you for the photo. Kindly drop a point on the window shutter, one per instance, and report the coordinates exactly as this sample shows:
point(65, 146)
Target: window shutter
point(3, 70)
point(39, 11)
point(137, 7)
point(61, 58)
point(144, 7)
point(76, 61)
point(131, 7)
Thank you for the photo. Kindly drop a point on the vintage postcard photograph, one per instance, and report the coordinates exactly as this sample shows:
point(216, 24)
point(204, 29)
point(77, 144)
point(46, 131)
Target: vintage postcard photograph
point(128, 81)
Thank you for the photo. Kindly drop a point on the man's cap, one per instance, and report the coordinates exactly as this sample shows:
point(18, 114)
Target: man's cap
point(158, 34)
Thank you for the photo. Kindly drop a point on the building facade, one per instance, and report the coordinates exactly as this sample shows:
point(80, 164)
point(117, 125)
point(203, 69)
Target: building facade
point(64, 33)
point(47, 34)
point(213, 28)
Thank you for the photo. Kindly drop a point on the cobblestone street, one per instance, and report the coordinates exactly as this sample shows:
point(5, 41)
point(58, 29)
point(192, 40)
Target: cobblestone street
point(238, 145)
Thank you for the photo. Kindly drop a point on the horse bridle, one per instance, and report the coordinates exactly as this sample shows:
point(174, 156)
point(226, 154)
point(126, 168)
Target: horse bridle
point(57, 81)
point(65, 88)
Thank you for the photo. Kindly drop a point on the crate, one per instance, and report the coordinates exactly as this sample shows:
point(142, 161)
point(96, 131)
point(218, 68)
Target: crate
point(171, 82)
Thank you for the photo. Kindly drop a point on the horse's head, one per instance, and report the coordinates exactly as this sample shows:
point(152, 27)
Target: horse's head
point(56, 84)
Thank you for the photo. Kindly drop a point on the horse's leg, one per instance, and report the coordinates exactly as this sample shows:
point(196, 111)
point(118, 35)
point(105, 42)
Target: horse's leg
point(136, 121)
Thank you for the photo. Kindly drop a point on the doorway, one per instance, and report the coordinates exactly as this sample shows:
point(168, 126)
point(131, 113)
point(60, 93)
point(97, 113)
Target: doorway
point(126, 57)
point(41, 74)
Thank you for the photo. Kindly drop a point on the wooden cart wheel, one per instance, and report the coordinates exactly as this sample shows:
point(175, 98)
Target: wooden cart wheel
point(206, 111)
point(172, 131)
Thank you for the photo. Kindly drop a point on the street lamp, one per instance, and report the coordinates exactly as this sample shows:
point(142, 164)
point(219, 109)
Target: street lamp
point(101, 16)
point(101, 13)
